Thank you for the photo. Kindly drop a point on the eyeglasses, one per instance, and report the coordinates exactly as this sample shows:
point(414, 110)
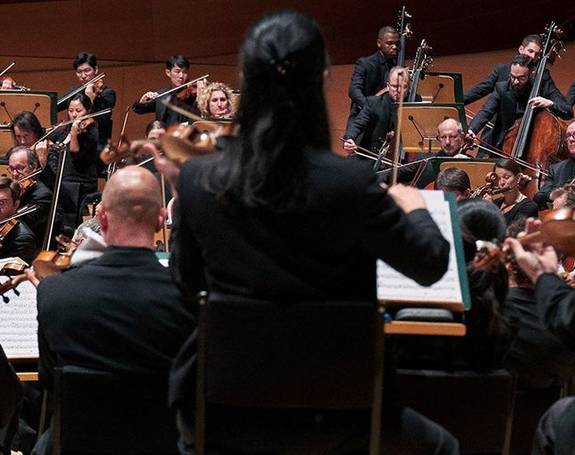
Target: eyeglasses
point(17, 168)
point(570, 136)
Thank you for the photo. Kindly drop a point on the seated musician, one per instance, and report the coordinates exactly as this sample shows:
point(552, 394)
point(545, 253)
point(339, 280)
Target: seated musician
point(559, 173)
point(556, 308)
point(370, 74)
point(155, 129)
point(215, 101)
point(285, 210)
point(510, 98)
point(539, 359)
point(18, 240)
point(80, 170)
point(101, 96)
point(378, 116)
point(564, 197)
point(451, 139)
point(23, 162)
point(454, 180)
point(177, 68)
point(514, 204)
point(135, 314)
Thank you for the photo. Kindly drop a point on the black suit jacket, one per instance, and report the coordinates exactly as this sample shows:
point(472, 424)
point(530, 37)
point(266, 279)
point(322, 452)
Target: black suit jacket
point(20, 242)
point(499, 73)
point(41, 196)
point(559, 174)
point(508, 107)
point(369, 76)
point(163, 113)
point(370, 127)
point(120, 313)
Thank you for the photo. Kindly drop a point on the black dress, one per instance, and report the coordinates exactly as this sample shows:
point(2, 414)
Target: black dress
point(526, 208)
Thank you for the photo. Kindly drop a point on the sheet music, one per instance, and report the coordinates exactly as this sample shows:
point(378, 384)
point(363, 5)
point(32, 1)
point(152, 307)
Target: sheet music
point(395, 287)
point(18, 324)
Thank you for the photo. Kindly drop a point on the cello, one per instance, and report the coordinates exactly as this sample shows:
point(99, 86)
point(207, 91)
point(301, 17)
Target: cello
point(539, 137)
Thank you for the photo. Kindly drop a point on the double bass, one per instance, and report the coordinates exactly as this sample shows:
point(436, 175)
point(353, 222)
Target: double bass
point(539, 138)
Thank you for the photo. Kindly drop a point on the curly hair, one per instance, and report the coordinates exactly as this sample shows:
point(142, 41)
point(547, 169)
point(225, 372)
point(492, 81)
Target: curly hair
point(206, 94)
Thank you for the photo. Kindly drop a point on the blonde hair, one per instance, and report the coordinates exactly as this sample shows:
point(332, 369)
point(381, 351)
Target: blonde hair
point(206, 94)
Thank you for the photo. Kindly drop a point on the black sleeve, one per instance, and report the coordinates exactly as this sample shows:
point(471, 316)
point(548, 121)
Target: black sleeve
point(541, 198)
point(486, 113)
point(556, 304)
point(528, 209)
point(42, 197)
point(144, 108)
point(107, 98)
point(21, 244)
point(385, 226)
point(483, 88)
point(360, 123)
point(11, 390)
point(357, 84)
point(560, 105)
point(570, 97)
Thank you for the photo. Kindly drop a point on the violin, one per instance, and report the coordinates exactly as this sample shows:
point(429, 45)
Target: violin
point(85, 124)
point(488, 188)
point(557, 230)
point(10, 223)
point(8, 83)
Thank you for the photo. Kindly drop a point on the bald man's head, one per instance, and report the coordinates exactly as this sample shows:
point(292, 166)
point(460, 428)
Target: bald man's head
point(132, 199)
point(450, 136)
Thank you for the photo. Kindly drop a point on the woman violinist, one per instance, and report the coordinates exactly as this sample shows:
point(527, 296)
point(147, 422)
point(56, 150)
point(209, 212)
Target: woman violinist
point(215, 101)
point(514, 203)
point(80, 169)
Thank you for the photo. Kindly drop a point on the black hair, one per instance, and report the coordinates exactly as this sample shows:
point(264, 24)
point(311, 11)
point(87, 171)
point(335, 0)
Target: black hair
point(508, 165)
point(178, 60)
point(524, 61)
point(532, 39)
point(12, 185)
point(387, 29)
point(29, 122)
point(84, 57)
point(31, 155)
point(282, 114)
point(84, 100)
point(453, 179)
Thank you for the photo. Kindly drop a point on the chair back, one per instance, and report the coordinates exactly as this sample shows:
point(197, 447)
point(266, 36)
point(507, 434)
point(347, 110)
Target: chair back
point(289, 354)
point(102, 413)
point(477, 408)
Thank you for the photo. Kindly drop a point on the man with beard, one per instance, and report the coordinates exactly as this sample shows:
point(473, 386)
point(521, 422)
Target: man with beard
point(511, 98)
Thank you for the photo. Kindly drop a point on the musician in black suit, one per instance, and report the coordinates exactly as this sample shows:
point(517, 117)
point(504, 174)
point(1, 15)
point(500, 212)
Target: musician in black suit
point(370, 74)
point(556, 307)
point(530, 46)
point(559, 173)
point(379, 115)
point(23, 162)
point(289, 219)
point(120, 313)
point(177, 69)
point(102, 97)
point(510, 98)
point(19, 240)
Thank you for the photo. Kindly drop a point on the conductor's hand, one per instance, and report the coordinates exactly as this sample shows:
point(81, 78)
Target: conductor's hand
point(349, 146)
point(148, 96)
point(407, 197)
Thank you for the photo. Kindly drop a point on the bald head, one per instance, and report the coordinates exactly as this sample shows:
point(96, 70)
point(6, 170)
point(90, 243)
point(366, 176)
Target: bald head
point(131, 203)
point(450, 136)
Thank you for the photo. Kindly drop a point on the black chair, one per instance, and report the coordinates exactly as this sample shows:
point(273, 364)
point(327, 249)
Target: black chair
point(477, 408)
point(102, 413)
point(284, 372)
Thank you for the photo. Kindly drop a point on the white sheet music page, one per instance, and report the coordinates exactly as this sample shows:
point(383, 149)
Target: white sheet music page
point(392, 286)
point(18, 324)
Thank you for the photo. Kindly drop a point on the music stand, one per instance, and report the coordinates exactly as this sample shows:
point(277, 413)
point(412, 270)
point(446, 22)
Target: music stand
point(419, 125)
point(476, 169)
point(42, 104)
point(441, 88)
